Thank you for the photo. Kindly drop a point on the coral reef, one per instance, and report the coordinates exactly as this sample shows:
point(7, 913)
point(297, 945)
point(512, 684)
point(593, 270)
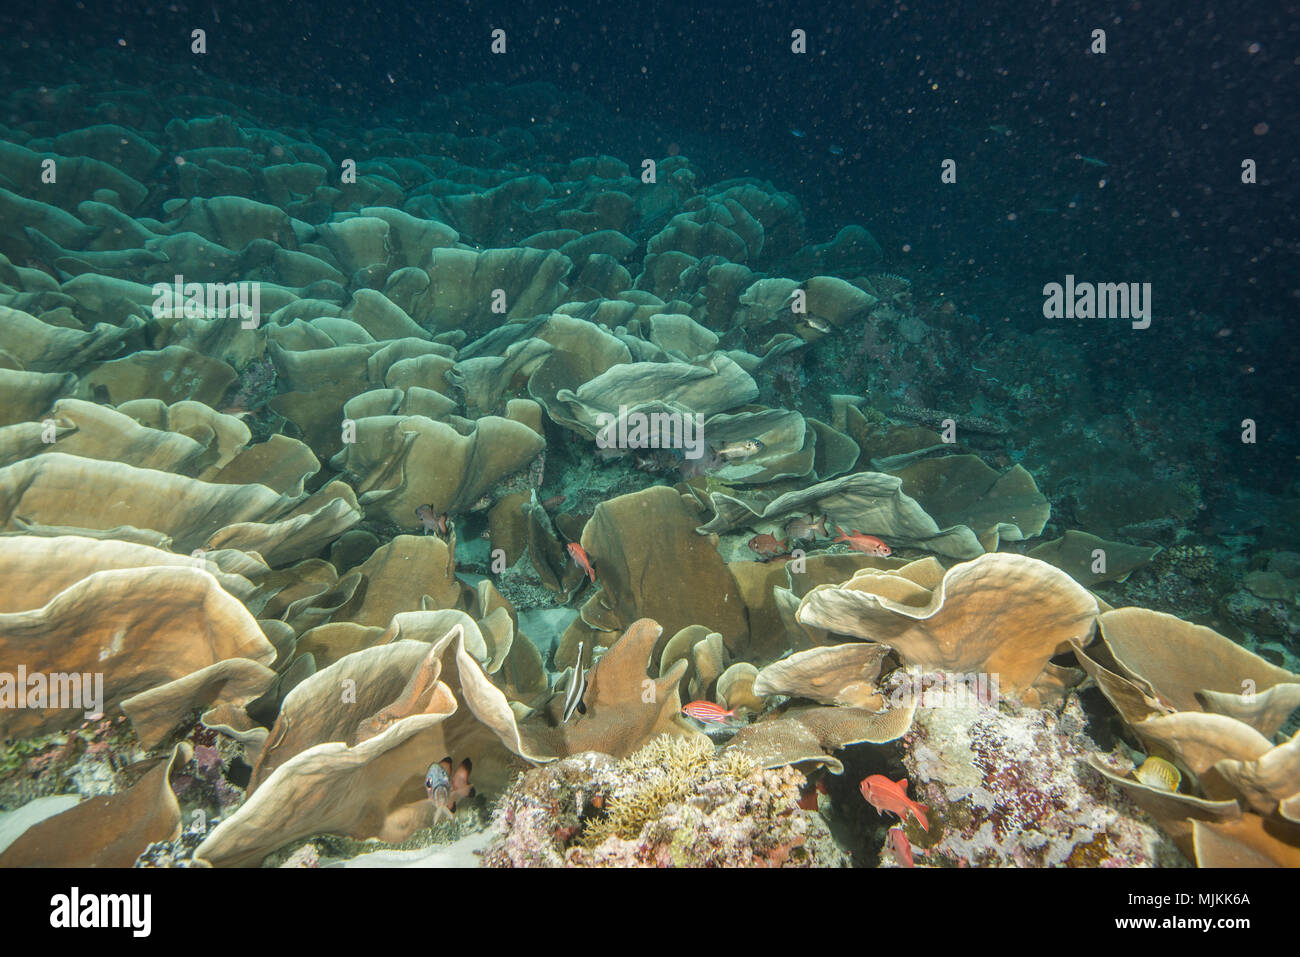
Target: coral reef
point(1008, 786)
point(495, 440)
point(1214, 711)
point(674, 803)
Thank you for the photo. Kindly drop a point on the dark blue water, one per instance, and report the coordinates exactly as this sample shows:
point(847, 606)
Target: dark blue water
point(857, 129)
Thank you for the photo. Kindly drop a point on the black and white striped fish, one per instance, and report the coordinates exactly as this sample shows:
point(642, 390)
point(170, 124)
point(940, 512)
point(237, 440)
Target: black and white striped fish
point(577, 688)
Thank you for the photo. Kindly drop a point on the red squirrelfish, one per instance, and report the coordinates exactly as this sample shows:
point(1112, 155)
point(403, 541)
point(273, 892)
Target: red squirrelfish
point(865, 543)
point(708, 712)
point(580, 558)
point(766, 546)
point(901, 847)
point(808, 795)
point(886, 795)
point(432, 521)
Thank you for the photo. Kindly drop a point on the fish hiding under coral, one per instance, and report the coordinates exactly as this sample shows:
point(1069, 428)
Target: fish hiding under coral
point(886, 795)
point(867, 544)
point(808, 794)
point(733, 451)
point(708, 712)
point(806, 528)
point(817, 324)
point(767, 546)
point(577, 688)
point(439, 524)
point(446, 788)
point(579, 556)
point(1159, 773)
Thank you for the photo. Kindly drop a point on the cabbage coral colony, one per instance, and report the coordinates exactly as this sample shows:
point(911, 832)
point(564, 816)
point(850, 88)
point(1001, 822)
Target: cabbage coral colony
point(393, 474)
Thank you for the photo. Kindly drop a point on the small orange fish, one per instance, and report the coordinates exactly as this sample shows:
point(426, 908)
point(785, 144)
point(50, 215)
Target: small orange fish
point(901, 847)
point(865, 543)
point(579, 556)
point(432, 521)
point(708, 712)
point(766, 546)
point(808, 795)
point(555, 501)
point(886, 795)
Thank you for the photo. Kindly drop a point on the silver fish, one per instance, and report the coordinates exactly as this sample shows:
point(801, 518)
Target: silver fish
point(807, 528)
point(437, 784)
point(818, 324)
point(577, 688)
point(740, 450)
point(446, 788)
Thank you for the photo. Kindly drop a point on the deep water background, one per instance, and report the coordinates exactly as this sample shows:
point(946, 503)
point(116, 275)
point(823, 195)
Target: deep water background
point(887, 91)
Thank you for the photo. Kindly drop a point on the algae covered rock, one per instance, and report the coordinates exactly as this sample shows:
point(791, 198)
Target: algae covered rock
point(1007, 788)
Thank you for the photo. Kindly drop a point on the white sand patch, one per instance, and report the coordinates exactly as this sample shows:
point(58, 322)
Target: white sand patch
point(14, 823)
point(461, 853)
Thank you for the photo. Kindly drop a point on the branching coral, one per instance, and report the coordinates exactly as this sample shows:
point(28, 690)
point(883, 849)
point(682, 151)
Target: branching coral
point(671, 804)
point(664, 771)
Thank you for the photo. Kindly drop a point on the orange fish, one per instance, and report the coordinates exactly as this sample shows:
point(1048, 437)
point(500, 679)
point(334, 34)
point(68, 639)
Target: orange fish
point(886, 795)
point(901, 847)
point(865, 543)
point(579, 555)
point(432, 521)
point(766, 546)
point(808, 795)
point(708, 712)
